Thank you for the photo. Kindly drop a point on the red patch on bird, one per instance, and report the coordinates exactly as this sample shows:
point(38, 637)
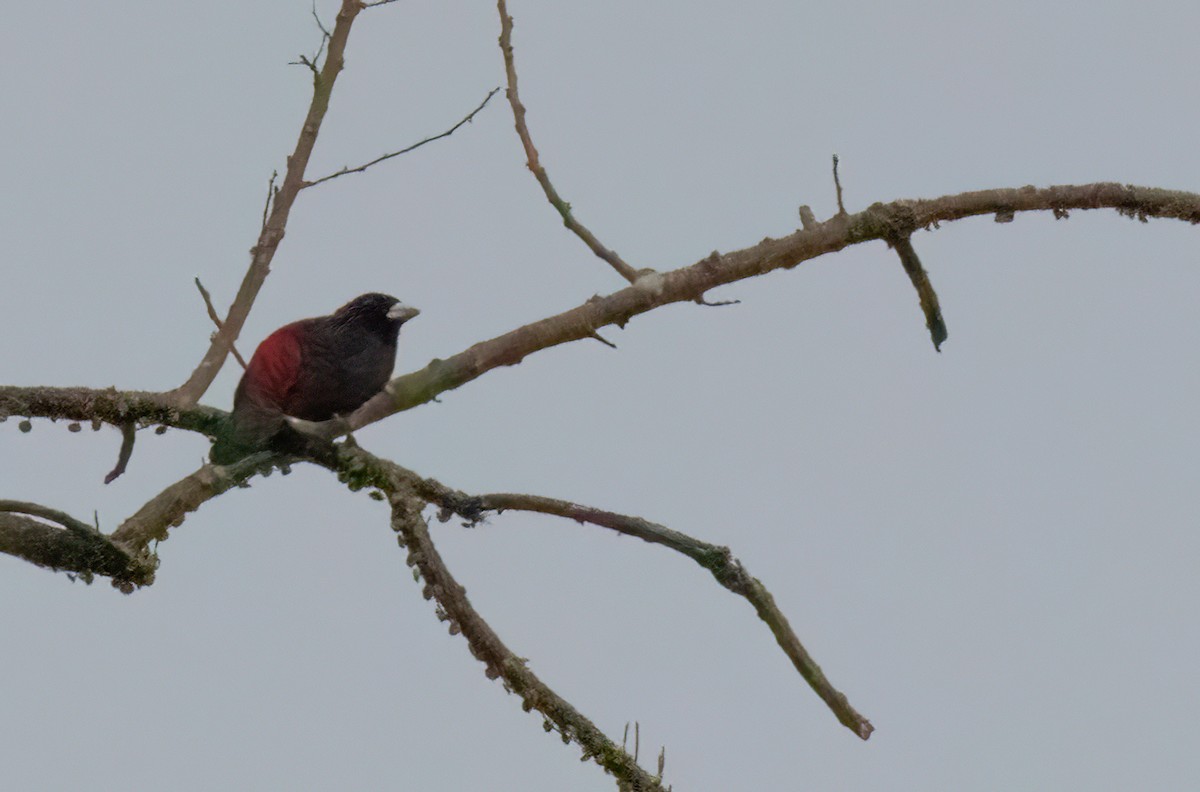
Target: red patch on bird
point(276, 363)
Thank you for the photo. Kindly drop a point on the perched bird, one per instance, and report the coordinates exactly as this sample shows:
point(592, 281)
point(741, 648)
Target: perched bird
point(313, 369)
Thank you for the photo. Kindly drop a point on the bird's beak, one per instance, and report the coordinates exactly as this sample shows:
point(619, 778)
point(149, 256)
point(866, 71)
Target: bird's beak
point(401, 312)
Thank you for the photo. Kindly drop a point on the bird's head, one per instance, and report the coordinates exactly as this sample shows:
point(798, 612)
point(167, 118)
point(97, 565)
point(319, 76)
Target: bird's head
point(377, 312)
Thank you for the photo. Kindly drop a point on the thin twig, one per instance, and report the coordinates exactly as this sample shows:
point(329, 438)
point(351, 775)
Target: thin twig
point(466, 120)
point(326, 35)
point(837, 182)
point(267, 203)
point(212, 314)
point(314, 63)
point(128, 435)
point(377, 3)
point(564, 209)
point(718, 560)
point(189, 393)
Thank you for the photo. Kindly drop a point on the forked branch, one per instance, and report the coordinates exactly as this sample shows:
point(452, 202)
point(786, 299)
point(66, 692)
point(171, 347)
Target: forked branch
point(273, 230)
point(50, 538)
point(359, 468)
point(499, 660)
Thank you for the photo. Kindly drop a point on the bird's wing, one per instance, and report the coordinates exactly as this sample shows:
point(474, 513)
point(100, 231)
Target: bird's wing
point(275, 366)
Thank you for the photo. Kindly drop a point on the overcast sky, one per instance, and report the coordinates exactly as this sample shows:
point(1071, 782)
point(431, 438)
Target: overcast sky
point(991, 551)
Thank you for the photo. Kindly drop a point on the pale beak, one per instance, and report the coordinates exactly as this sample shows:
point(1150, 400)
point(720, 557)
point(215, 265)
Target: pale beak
point(401, 312)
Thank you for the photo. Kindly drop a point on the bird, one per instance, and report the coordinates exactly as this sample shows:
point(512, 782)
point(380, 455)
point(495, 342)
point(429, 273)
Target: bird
point(313, 369)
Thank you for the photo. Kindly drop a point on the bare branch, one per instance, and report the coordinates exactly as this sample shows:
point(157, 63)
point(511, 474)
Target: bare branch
point(408, 493)
point(616, 262)
point(212, 314)
point(360, 468)
point(466, 120)
point(128, 435)
point(122, 409)
point(878, 222)
point(272, 234)
point(169, 508)
point(920, 281)
point(55, 548)
point(106, 406)
point(718, 560)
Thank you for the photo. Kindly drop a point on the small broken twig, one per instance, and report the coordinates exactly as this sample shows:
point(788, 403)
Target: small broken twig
point(920, 281)
point(212, 313)
point(128, 435)
point(602, 339)
point(808, 221)
point(718, 303)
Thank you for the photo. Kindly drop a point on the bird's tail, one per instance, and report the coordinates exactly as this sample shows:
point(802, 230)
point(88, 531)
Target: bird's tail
point(249, 429)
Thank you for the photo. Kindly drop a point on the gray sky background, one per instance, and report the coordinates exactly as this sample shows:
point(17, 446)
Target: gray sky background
point(992, 551)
